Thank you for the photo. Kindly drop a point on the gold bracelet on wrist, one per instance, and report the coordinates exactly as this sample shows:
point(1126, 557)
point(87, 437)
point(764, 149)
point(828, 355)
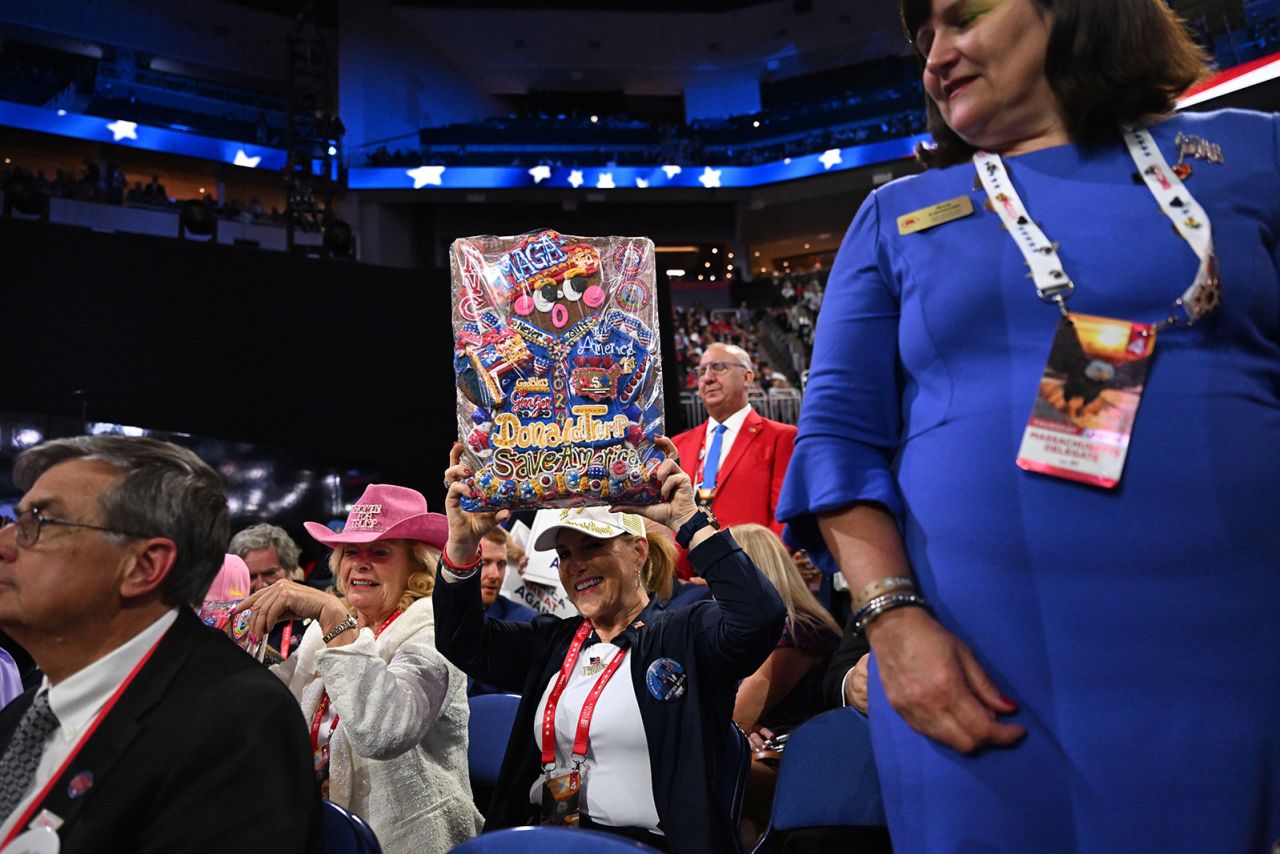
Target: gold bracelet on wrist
point(345, 626)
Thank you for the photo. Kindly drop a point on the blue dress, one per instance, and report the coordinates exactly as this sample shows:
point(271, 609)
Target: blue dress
point(1138, 628)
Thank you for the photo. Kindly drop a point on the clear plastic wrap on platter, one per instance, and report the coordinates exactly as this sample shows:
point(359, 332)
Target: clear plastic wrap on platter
point(558, 369)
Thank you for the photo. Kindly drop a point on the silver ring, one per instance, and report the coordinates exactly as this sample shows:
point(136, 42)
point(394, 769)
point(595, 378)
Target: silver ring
point(447, 483)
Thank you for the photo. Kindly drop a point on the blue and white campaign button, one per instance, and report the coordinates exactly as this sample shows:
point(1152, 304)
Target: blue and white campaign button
point(665, 680)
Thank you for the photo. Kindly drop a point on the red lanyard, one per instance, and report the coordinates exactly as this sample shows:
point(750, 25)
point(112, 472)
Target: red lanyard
point(318, 717)
point(588, 707)
point(286, 639)
point(89, 731)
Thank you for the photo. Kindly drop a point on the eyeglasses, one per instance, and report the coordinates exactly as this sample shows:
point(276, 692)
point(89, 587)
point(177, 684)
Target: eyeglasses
point(716, 368)
point(30, 521)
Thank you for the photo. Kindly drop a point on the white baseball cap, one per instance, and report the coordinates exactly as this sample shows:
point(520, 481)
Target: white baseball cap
point(597, 522)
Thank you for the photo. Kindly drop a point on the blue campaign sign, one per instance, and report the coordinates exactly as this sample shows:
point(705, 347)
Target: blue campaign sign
point(134, 135)
point(632, 177)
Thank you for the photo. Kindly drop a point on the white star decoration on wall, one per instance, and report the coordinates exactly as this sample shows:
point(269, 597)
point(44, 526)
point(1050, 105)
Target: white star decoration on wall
point(641, 183)
point(830, 158)
point(243, 159)
point(605, 181)
point(120, 129)
point(424, 175)
point(540, 173)
point(575, 178)
point(672, 171)
point(710, 178)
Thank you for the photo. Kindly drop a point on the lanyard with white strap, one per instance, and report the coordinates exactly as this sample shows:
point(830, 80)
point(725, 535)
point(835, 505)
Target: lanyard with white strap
point(1189, 219)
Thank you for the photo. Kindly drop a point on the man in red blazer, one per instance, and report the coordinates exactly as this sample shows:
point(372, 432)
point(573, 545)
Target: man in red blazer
point(743, 484)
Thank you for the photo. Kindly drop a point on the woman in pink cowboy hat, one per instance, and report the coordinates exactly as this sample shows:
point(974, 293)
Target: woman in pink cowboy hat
point(388, 713)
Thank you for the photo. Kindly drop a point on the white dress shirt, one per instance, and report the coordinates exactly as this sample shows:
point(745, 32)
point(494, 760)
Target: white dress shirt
point(77, 700)
point(732, 425)
point(617, 779)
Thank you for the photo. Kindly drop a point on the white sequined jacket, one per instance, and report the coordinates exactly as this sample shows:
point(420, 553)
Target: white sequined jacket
point(398, 758)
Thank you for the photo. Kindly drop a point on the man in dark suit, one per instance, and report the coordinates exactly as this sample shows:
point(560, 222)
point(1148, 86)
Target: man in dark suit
point(271, 555)
point(150, 732)
point(493, 571)
point(736, 458)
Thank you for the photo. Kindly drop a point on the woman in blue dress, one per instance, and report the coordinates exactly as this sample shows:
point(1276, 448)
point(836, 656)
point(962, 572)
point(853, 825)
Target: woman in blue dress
point(1073, 650)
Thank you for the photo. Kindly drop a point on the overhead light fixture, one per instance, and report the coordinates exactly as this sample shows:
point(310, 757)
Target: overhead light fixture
point(675, 273)
point(27, 437)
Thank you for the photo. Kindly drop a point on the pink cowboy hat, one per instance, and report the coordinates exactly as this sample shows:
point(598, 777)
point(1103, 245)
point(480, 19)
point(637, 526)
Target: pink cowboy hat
point(231, 584)
point(387, 512)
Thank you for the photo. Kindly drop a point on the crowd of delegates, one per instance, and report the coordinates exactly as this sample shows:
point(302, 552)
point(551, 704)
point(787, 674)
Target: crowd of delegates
point(375, 716)
point(697, 328)
point(792, 131)
point(787, 326)
point(1018, 640)
point(97, 181)
point(895, 126)
point(105, 182)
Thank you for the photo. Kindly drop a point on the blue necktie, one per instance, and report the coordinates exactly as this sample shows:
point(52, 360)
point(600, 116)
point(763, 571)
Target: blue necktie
point(711, 467)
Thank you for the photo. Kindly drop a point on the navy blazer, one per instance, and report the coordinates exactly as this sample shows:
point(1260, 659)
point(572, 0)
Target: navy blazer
point(205, 747)
point(717, 642)
point(501, 609)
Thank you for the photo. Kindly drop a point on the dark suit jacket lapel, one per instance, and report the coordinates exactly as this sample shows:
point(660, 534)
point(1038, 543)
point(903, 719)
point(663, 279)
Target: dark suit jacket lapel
point(747, 435)
point(124, 722)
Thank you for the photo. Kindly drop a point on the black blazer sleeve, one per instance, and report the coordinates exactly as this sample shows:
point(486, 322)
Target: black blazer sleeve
point(852, 647)
point(744, 624)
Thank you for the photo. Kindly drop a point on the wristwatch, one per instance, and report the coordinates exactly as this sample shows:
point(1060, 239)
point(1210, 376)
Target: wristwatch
point(345, 625)
point(702, 517)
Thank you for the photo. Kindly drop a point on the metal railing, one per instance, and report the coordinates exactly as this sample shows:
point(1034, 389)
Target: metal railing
point(779, 404)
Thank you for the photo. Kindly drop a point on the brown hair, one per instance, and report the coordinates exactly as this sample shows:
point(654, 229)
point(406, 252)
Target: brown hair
point(1110, 63)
